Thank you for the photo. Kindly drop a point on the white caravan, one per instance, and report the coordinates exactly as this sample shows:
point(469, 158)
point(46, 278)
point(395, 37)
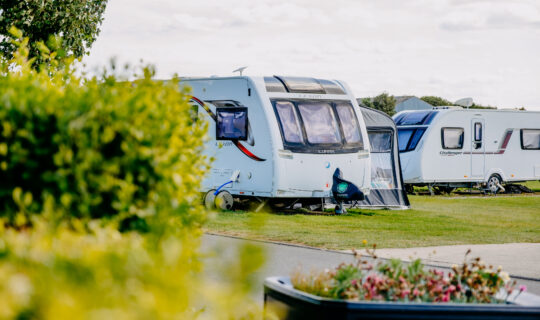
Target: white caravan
point(454, 147)
point(280, 138)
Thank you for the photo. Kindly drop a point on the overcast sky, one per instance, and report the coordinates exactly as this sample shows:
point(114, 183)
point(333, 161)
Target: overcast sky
point(487, 50)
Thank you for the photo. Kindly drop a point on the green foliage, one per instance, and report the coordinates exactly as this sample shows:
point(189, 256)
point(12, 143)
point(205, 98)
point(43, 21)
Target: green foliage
point(383, 102)
point(74, 149)
point(98, 147)
point(76, 21)
point(436, 101)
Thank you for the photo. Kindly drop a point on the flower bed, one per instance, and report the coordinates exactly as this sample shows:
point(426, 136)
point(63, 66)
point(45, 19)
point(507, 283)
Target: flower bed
point(393, 290)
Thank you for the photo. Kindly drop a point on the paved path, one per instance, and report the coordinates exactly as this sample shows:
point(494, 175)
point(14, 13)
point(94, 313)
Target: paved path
point(518, 259)
point(282, 259)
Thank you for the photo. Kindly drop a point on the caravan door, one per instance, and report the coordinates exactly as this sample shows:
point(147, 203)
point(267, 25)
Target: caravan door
point(478, 154)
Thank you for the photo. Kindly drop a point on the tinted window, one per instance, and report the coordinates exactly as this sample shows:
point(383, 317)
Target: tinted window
point(319, 122)
point(330, 87)
point(349, 123)
point(417, 135)
point(299, 84)
point(231, 124)
point(409, 138)
point(404, 135)
point(289, 122)
point(380, 141)
point(452, 138)
point(415, 118)
point(530, 139)
point(274, 85)
point(477, 131)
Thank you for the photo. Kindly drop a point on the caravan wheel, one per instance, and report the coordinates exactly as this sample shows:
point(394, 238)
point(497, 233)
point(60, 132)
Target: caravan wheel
point(224, 200)
point(494, 183)
point(209, 199)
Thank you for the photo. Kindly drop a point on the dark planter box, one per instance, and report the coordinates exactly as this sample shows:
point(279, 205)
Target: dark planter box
point(288, 303)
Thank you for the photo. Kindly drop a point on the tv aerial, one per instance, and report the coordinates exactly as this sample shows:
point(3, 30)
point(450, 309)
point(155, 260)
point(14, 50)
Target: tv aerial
point(240, 70)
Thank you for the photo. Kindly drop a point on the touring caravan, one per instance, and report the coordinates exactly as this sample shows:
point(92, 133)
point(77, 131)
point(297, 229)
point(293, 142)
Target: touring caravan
point(453, 147)
point(283, 139)
point(387, 188)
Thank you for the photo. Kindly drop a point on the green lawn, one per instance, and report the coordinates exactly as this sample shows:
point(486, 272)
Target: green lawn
point(433, 221)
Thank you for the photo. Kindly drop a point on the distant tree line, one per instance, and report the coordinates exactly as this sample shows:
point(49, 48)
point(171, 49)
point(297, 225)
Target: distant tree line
point(387, 103)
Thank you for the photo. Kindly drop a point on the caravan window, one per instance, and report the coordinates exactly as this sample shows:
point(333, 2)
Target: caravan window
point(289, 122)
point(349, 122)
point(382, 168)
point(452, 138)
point(231, 123)
point(530, 139)
point(477, 131)
point(415, 118)
point(320, 123)
point(409, 138)
point(380, 141)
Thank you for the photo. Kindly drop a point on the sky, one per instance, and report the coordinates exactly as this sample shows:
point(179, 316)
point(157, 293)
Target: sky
point(485, 49)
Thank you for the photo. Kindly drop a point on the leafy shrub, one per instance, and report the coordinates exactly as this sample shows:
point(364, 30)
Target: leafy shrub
point(96, 148)
point(74, 150)
point(96, 272)
point(472, 282)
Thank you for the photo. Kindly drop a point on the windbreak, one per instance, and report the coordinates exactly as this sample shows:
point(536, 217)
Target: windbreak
point(320, 123)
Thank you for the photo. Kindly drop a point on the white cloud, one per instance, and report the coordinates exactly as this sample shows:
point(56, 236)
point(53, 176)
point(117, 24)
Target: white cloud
point(485, 49)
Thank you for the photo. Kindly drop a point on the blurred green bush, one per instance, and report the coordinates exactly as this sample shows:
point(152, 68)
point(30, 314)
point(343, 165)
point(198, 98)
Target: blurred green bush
point(96, 148)
point(83, 161)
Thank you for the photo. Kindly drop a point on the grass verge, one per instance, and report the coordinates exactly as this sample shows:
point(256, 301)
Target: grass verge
point(433, 221)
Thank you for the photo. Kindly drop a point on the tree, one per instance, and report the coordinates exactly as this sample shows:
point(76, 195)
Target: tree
point(76, 22)
point(383, 102)
point(436, 101)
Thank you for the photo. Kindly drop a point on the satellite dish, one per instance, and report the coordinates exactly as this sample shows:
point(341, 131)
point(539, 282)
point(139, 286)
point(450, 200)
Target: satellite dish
point(240, 70)
point(465, 102)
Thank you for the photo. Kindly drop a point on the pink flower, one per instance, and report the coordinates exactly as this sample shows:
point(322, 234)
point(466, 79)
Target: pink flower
point(522, 288)
point(446, 298)
point(452, 288)
point(405, 293)
point(415, 292)
point(353, 283)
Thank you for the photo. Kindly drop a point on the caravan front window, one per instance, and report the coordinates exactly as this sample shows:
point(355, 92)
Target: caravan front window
point(289, 122)
point(318, 126)
point(320, 123)
point(349, 122)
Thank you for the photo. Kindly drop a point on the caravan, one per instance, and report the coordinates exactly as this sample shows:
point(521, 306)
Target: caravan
point(281, 139)
point(454, 147)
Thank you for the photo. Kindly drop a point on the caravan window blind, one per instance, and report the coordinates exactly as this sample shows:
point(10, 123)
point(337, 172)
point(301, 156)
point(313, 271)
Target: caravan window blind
point(320, 123)
point(530, 139)
point(452, 138)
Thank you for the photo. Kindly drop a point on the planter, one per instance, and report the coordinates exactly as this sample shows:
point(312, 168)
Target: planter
point(288, 303)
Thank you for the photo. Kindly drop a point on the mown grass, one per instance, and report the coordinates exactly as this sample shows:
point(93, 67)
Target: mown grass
point(437, 220)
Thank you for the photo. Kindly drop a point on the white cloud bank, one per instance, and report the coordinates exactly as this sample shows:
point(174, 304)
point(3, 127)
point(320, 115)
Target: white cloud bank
point(488, 50)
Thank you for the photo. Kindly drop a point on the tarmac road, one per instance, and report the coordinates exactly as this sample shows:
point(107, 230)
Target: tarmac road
point(282, 259)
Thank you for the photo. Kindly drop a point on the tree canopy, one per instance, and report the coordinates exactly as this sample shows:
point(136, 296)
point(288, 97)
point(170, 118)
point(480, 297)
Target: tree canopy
point(75, 21)
point(383, 102)
point(437, 101)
